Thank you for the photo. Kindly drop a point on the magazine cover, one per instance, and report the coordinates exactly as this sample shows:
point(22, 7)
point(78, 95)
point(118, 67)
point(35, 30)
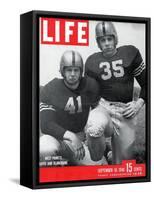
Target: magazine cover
point(93, 97)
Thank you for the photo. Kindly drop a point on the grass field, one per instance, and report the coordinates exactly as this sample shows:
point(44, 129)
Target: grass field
point(139, 150)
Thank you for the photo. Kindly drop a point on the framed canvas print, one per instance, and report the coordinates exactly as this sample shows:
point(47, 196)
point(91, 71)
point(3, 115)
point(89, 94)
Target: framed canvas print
point(85, 99)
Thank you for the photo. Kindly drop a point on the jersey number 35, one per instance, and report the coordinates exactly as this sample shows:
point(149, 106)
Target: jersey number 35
point(112, 69)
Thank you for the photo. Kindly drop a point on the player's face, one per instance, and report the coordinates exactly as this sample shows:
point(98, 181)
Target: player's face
point(107, 44)
point(72, 75)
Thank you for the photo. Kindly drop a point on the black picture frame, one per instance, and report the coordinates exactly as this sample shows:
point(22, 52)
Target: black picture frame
point(29, 98)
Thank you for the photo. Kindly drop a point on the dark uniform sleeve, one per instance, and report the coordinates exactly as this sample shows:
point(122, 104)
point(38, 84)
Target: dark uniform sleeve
point(139, 73)
point(48, 123)
point(90, 62)
point(95, 92)
point(87, 68)
point(90, 73)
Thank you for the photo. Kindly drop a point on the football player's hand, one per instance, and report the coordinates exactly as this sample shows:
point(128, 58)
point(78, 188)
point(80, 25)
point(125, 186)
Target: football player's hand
point(132, 108)
point(76, 144)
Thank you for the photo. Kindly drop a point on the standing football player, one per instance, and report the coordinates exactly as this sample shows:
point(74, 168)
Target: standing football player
point(64, 109)
point(115, 69)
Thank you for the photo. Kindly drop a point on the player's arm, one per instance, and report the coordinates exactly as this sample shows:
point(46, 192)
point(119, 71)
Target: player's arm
point(141, 77)
point(96, 94)
point(139, 73)
point(88, 66)
point(48, 123)
point(50, 127)
point(94, 85)
point(48, 114)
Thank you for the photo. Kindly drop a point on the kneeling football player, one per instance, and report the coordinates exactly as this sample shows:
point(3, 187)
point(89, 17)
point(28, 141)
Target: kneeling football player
point(64, 110)
point(115, 69)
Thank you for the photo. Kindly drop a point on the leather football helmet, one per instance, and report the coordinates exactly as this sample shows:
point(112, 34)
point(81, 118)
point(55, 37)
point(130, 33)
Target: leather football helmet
point(105, 28)
point(71, 59)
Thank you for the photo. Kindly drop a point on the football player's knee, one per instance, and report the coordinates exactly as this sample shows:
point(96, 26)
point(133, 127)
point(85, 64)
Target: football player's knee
point(96, 146)
point(49, 146)
point(96, 123)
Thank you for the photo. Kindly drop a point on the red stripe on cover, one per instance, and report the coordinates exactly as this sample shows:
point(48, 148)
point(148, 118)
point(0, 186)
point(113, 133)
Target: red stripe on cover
point(127, 169)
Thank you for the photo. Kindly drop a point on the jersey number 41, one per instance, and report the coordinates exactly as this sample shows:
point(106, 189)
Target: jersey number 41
point(70, 106)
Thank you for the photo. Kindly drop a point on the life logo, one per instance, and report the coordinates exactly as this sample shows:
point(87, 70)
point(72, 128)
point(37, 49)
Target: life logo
point(55, 31)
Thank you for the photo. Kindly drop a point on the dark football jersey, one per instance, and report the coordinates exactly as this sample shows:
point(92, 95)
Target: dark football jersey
point(115, 75)
point(65, 109)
